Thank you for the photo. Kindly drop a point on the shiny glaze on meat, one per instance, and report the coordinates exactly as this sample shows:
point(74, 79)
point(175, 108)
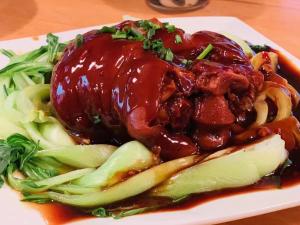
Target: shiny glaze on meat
point(174, 110)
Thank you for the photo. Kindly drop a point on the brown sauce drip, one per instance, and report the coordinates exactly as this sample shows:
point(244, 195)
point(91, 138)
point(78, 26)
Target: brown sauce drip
point(56, 214)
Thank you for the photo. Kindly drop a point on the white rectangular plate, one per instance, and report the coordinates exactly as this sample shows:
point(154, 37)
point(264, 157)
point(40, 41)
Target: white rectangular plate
point(14, 212)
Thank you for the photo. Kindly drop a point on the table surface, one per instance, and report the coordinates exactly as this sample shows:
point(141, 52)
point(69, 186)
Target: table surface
point(275, 19)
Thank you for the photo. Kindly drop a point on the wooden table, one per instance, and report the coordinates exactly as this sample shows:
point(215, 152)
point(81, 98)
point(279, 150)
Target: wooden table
point(277, 19)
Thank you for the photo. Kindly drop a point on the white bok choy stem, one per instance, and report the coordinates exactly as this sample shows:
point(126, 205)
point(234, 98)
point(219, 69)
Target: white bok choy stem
point(80, 156)
point(243, 167)
point(133, 186)
point(49, 134)
point(43, 185)
point(9, 128)
point(131, 157)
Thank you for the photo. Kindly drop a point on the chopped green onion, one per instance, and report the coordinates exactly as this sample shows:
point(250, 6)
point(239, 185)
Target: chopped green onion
point(119, 35)
point(146, 24)
point(147, 44)
point(156, 45)
point(53, 46)
point(150, 33)
point(170, 28)
point(106, 29)
point(96, 119)
point(133, 34)
point(186, 62)
point(206, 51)
point(259, 48)
point(79, 40)
point(178, 39)
point(169, 55)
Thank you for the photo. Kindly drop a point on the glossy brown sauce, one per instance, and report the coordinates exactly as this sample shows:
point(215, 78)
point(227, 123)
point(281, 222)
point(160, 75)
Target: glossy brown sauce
point(56, 214)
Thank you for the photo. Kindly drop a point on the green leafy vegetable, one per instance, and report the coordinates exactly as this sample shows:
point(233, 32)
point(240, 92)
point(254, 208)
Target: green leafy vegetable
point(205, 52)
point(16, 150)
point(51, 164)
point(38, 173)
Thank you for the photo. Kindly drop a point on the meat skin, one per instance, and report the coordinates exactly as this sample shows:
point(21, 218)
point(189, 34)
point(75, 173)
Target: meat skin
point(137, 95)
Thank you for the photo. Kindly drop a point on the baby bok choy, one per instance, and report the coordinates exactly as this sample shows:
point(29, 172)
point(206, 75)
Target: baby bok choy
point(39, 168)
point(17, 152)
point(24, 95)
point(130, 158)
point(29, 186)
point(134, 185)
point(79, 156)
point(242, 167)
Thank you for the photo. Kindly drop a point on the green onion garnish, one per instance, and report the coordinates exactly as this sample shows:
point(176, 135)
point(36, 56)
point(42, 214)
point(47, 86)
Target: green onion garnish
point(170, 28)
point(106, 29)
point(146, 24)
point(169, 55)
point(186, 62)
point(79, 40)
point(206, 51)
point(119, 35)
point(178, 39)
point(147, 44)
point(150, 33)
